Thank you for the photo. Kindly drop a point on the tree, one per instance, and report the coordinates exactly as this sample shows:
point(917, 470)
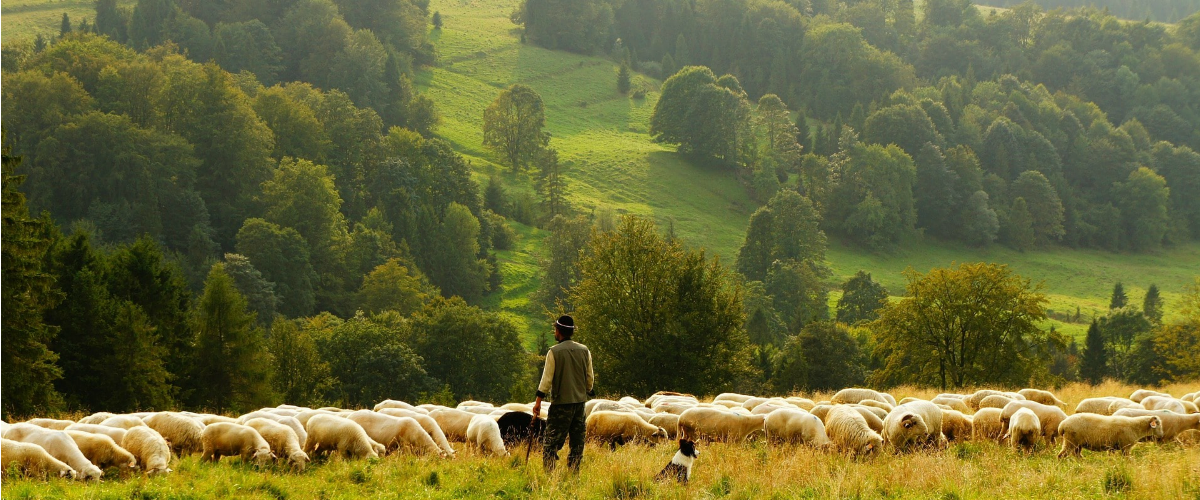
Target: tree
point(512, 125)
point(834, 358)
point(568, 238)
point(29, 366)
point(862, 297)
point(458, 269)
point(150, 18)
point(494, 197)
point(300, 373)
point(960, 327)
point(655, 314)
point(1094, 365)
point(1125, 331)
point(1045, 207)
point(1152, 305)
point(1177, 343)
point(873, 201)
point(550, 183)
point(370, 361)
point(231, 368)
point(623, 79)
point(64, 27)
point(905, 125)
point(777, 135)
point(1119, 299)
point(394, 286)
point(476, 353)
point(259, 293)
point(799, 295)
point(1143, 200)
point(437, 19)
point(110, 21)
point(1018, 232)
point(248, 46)
point(786, 228)
point(980, 223)
point(683, 56)
point(281, 255)
point(302, 195)
point(705, 118)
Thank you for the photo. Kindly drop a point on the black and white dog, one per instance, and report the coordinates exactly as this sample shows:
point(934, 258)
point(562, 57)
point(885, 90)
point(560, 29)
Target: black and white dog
point(680, 467)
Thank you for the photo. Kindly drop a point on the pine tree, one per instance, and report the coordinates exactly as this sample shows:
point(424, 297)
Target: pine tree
point(39, 44)
point(683, 56)
point(1094, 365)
point(437, 20)
point(65, 26)
point(668, 66)
point(1119, 299)
point(1019, 230)
point(802, 130)
point(1152, 305)
point(231, 365)
point(623, 79)
point(550, 183)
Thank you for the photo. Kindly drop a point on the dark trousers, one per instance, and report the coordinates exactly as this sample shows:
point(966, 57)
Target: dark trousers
point(563, 421)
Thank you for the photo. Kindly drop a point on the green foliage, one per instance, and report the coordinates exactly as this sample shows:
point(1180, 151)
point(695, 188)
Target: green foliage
point(1152, 305)
point(550, 183)
point(259, 293)
point(862, 297)
point(700, 115)
point(282, 256)
point(459, 270)
point(623, 79)
point(301, 375)
point(437, 20)
point(873, 201)
point(1142, 200)
point(369, 360)
point(905, 125)
point(1094, 365)
point(958, 327)
point(474, 352)
point(512, 125)
point(577, 26)
point(247, 46)
point(980, 223)
point(786, 228)
point(1175, 343)
point(656, 314)
point(1018, 226)
point(568, 239)
point(231, 368)
point(798, 292)
point(1125, 331)
point(1119, 299)
point(394, 286)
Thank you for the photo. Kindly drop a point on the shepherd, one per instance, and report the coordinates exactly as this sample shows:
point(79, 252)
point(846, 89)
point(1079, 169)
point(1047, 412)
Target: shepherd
point(567, 382)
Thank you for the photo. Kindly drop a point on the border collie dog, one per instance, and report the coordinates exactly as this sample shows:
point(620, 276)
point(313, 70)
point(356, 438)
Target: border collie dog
point(680, 467)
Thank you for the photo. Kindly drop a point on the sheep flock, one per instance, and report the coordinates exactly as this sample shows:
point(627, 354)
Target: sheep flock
point(856, 421)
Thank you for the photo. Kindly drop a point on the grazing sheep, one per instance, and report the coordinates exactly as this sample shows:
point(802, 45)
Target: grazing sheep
point(594, 405)
point(1121, 403)
point(282, 440)
point(856, 395)
point(484, 433)
point(714, 424)
point(1189, 397)
point(1173, 424)
point(1049, 416)
point(973, 400)
point(617, 428)
point(283, 412)
point(95, 418)
point(1024, 429)
point(51, 423)
point(1191, 407)
point(329, 433)
point(673, 407)
point(732, 396)
point(428, 423)
point(32, 460)
point(59, 445)
point(956, 426)
point(183, 432)
point(1163, 403)
point(911, 424)
point(102, 451)
point(767, 408)
point(521, 407)
point(910, 399)
point(1098, 406)
point(123, 422)
point(951, 395)
point(752, 403)
point(631, 401)
point(886, 407)
point(801, 403)
point(453, 422)
point(152, 451)
point(292, 422)
point(848, 431)
point(304, 416)
point(117, 435)
point(1100, 432)
point(396, 432)
point(953, 403)
point(1043, 397)
point(520, 427)
point(1141, 394)
point(878, 412)
point(654, 398)
point(480, 410)
point(668, 421)
point(820, 411)
point(874, 421)
point(225, 439)
point(796, 426)
point(994, 401)
point(209, 419)
point(986, 424)
point(392, 403)
point(470, 403)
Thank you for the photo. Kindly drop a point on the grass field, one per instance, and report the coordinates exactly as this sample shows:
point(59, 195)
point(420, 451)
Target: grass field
point(612, 165)
point(25, 19)
point(967, 470)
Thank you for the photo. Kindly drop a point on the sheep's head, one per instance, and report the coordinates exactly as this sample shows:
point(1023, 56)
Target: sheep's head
point(659, 433)
point(299, 459)
point(1156, 427)
point(68, 472)
point(263, 455)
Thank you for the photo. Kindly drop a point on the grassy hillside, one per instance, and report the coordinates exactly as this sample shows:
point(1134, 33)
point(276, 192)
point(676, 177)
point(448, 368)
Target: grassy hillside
point(24, 19)
point(613, 165)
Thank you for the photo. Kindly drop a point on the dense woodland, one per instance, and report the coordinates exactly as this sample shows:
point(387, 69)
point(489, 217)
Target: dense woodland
point(1167, 11)
point(224, 204)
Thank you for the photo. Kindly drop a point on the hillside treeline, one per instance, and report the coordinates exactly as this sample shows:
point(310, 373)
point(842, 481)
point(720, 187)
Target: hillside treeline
point(1166, 11)
point(1029, 127)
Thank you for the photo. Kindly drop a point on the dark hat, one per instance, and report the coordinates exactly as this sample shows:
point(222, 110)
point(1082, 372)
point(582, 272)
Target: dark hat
point(565, 322)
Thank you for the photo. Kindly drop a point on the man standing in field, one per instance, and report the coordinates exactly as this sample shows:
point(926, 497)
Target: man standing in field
point(567, 383)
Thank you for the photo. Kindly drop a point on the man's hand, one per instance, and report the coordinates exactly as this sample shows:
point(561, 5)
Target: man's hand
point(537, 407)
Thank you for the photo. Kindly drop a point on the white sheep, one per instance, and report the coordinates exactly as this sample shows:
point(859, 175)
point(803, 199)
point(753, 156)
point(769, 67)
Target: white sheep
point(428, 423)
point(974, 399)
point(953, 403)
point(117, 435)
point(1163, 403)
point(396, 432)
point(392, 403)
point(225, 439)
point(182, 431)
point(872, 416)
point(51, 423)
point(956, 426)
point(292, 422)
point(618, 428)
point(1049, 416)
point(1043, 397)
point(986, 425)
point(849, 432)
point(95, 418)
point(858, 394)
point(796, 426)
point(453, 422)
point(1100, 432)
point(668, 421)
point(1141, 394)
point(1099, 406)
point(719, 425)
point(102, 451)
point(329, 433)
point(32, 459)
point(1173, 424)
point(994, 401)
point(1024, 429)
point(732, 396)
point(484, 433)
point(917, 423)
point(152, 451)
point(282, 439)
point(123, 422)
point(59, 445)
point(209, 419)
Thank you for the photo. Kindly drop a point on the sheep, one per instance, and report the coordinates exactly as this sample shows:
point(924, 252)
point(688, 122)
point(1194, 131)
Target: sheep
point(152, 451)
point(209, 419)
point(453, 422)
point(732, 396)
point(1099, 432)
point(878, 412)
point(856, 395)
point(913, 424)
point(1164, 403)
point(910, 399)
point(123, 422)
point(484, 433)
point(1173, 423)
point(669, 395)
point(521, 407)
point(392, 403)
point(181, 431)
point(428, 423)
point(631, 401)
point(479, 410)
point(95, 418)
point(470, 403)
point(752, 403)
point(1121, 403)
point(994, 401)
point(667, 421)
point(886, 407)
point(102, 451)
point(820, 411)
point(32, 459)
point(292, 422)
point(1141, 394)
point(673, 407)
point(1189, 397)
point(796, 426)
point(986, 424)
point(225, 439)
point(396, 432)
point(956, 426)
point(801, 403)
point(304, 416)
point(602, 405)
point(116, 434)
point(715, 424)
point(956, 404)
point(1024, 429)
point(973, 400)
point(768, 408)
point(616, 428)
point(59, 445)
point(1049, 416)
point(1043, 397)
point(951, 395)
point(328, 433)
point(1191, 407)
point(848, 431)
point(51, 423)
point(282, 440)
point(874, 421)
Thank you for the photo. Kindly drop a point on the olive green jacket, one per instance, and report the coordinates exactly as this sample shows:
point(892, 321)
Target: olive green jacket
point(568, 376)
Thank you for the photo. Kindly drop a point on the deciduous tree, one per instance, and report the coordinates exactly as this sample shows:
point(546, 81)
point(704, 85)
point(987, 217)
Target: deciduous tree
point(512, 125)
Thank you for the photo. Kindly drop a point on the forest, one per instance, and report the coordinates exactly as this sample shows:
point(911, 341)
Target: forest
point(235, 203)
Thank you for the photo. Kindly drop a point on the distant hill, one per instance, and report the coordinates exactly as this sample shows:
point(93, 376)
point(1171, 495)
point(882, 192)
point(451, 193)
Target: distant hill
point(1165, 11)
